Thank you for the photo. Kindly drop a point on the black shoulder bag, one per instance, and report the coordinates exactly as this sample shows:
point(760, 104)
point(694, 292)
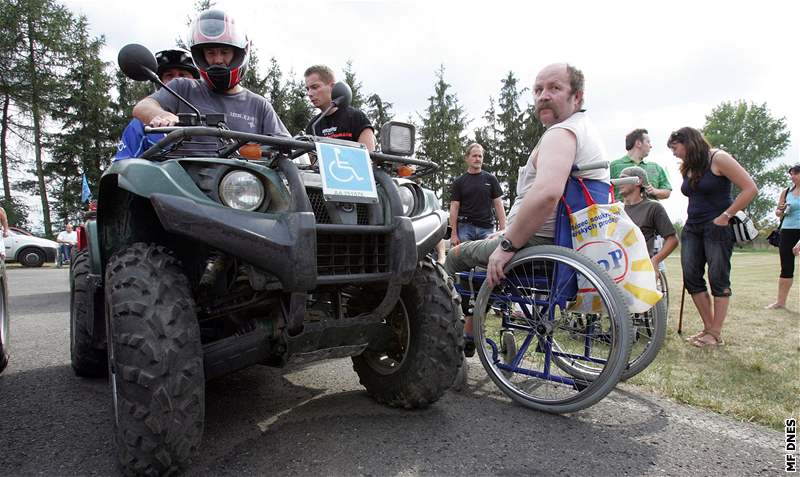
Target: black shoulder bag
point(774, 238)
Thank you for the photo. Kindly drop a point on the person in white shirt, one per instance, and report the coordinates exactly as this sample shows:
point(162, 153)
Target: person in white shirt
point(67, 239)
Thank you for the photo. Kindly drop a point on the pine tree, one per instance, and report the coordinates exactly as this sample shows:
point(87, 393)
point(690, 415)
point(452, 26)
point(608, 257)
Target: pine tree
point(129, 92)
point(355, 85)
point(9, 82)
point(487, 137)
point(298, 109)
point(379, 113)
point(45, 26)
point(442, 136)
point(86, 139)
point(509, 136)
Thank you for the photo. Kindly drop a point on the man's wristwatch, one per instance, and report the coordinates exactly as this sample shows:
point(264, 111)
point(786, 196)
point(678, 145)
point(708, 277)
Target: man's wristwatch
point(507, 246)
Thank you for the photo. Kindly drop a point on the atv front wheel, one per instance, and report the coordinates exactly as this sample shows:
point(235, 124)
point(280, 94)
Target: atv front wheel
point(155, 361)
point(425, 356)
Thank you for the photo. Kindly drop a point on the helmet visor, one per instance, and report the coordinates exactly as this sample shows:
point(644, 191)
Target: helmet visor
point(217, 28)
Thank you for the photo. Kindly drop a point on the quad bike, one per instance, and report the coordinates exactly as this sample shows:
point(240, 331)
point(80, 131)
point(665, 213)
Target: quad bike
point(203, 261)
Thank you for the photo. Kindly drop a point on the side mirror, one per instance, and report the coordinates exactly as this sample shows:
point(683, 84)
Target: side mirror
point(138, 63)
point(341, 94)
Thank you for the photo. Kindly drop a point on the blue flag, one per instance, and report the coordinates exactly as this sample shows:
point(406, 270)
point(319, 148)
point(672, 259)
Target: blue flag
point(86, 194)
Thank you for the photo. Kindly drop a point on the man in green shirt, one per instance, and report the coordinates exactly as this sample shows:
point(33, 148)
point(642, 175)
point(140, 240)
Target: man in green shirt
point(637, 143)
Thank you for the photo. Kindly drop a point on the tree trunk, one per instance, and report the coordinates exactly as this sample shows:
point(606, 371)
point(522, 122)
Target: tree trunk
point(3, 147)
point(37, 131)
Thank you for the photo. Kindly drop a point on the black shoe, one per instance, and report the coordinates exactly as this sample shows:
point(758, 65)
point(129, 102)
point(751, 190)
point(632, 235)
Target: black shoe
point(469, 346)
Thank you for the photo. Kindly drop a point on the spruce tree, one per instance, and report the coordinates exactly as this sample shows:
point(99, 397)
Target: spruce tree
point(44, 34)
point(442, 136)
point(87, 137)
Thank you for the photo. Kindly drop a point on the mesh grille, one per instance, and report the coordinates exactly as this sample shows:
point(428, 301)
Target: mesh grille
point(318, 206)
point(349, 254)
point(321, 212)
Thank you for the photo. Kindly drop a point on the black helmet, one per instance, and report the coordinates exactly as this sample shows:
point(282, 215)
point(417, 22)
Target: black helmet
point(176, 58)
point(213, 28)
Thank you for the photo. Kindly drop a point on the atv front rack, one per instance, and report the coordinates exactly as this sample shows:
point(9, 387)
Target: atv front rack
point(232, 140)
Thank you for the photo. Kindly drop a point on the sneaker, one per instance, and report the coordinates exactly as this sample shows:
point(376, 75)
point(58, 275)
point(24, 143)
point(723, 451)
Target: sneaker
point(469, 346)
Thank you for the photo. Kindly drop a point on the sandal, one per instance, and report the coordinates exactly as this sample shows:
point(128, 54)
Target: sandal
point(701, 343)
point(774, 306)
point(696, 336)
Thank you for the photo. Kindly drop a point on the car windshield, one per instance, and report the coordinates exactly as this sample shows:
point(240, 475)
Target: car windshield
point(20, 232)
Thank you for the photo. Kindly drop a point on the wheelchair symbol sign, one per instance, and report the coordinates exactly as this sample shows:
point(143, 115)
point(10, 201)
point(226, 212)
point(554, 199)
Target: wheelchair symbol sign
point(346, 173)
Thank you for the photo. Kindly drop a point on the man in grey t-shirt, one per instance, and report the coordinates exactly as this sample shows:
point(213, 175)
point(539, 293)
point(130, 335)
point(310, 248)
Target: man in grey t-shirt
point(222, 60)
point(648, 215)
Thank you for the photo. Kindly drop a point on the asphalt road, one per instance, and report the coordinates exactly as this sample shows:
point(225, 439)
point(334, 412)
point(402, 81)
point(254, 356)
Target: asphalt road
point(317, 420)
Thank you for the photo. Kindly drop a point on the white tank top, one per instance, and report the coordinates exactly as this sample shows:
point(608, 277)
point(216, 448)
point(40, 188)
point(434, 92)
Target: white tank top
point(589, 149)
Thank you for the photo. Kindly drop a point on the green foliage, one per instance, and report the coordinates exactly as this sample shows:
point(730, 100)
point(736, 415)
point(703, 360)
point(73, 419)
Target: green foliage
point(509, 136)
point(16, 211)
point(756, 139)
point(379, 113)
point(442, 136)
point(86, 140)
point(43, 56)
point(355, 85)
point(298, 109)
point(488, 137)
point(252, 79)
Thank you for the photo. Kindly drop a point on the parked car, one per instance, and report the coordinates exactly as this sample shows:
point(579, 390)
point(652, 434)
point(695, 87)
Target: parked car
point(29, 250)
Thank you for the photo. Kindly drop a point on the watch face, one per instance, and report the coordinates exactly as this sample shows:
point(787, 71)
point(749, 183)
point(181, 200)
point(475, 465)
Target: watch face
point(506, 245)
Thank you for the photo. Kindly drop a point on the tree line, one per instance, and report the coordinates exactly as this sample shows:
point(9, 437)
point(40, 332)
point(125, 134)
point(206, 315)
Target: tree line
point(63, 110)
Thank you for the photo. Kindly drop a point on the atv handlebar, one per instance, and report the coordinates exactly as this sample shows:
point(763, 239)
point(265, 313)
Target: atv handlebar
point(281, 143)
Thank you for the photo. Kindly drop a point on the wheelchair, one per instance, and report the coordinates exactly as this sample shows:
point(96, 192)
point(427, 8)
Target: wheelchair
point(535, 345)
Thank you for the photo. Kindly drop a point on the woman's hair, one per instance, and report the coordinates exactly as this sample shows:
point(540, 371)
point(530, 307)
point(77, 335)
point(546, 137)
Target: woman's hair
point(697, 153)
point(795, 169)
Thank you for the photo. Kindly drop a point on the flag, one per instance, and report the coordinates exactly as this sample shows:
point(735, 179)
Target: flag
point(86, 194)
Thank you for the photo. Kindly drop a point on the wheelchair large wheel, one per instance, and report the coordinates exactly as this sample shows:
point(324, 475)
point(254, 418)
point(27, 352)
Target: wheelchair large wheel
point(663, 285)
point(527, 335)
point(649, 331)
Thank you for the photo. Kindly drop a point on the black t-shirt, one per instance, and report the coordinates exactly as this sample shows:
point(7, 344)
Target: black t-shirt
point(652, 219)
point(475, 193)
point(346, 124)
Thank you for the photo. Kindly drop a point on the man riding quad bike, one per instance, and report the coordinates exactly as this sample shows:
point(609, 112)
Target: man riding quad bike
point(202, 263)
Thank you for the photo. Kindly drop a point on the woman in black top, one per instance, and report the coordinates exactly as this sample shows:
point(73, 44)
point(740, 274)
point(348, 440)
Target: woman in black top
point(706, 238)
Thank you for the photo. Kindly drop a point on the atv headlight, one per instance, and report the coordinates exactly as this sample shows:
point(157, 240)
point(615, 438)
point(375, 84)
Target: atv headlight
point(407, 199)
point(397, 138)
point(241, 190)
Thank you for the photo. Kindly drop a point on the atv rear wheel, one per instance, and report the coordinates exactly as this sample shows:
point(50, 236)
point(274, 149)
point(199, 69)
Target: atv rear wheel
point(155, 360)
point(87, 360)
point(425, 356)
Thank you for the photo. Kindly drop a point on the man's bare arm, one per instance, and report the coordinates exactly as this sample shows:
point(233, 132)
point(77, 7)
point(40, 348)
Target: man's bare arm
point(454, 206)
point(500, 212)
point(554, 164)
point(149, 112)
point(367, 138)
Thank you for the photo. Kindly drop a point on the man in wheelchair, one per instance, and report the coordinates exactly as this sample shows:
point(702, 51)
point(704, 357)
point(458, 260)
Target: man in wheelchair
point(570, 140)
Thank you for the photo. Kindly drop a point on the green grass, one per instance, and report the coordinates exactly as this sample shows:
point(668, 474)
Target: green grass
point(754, 376)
